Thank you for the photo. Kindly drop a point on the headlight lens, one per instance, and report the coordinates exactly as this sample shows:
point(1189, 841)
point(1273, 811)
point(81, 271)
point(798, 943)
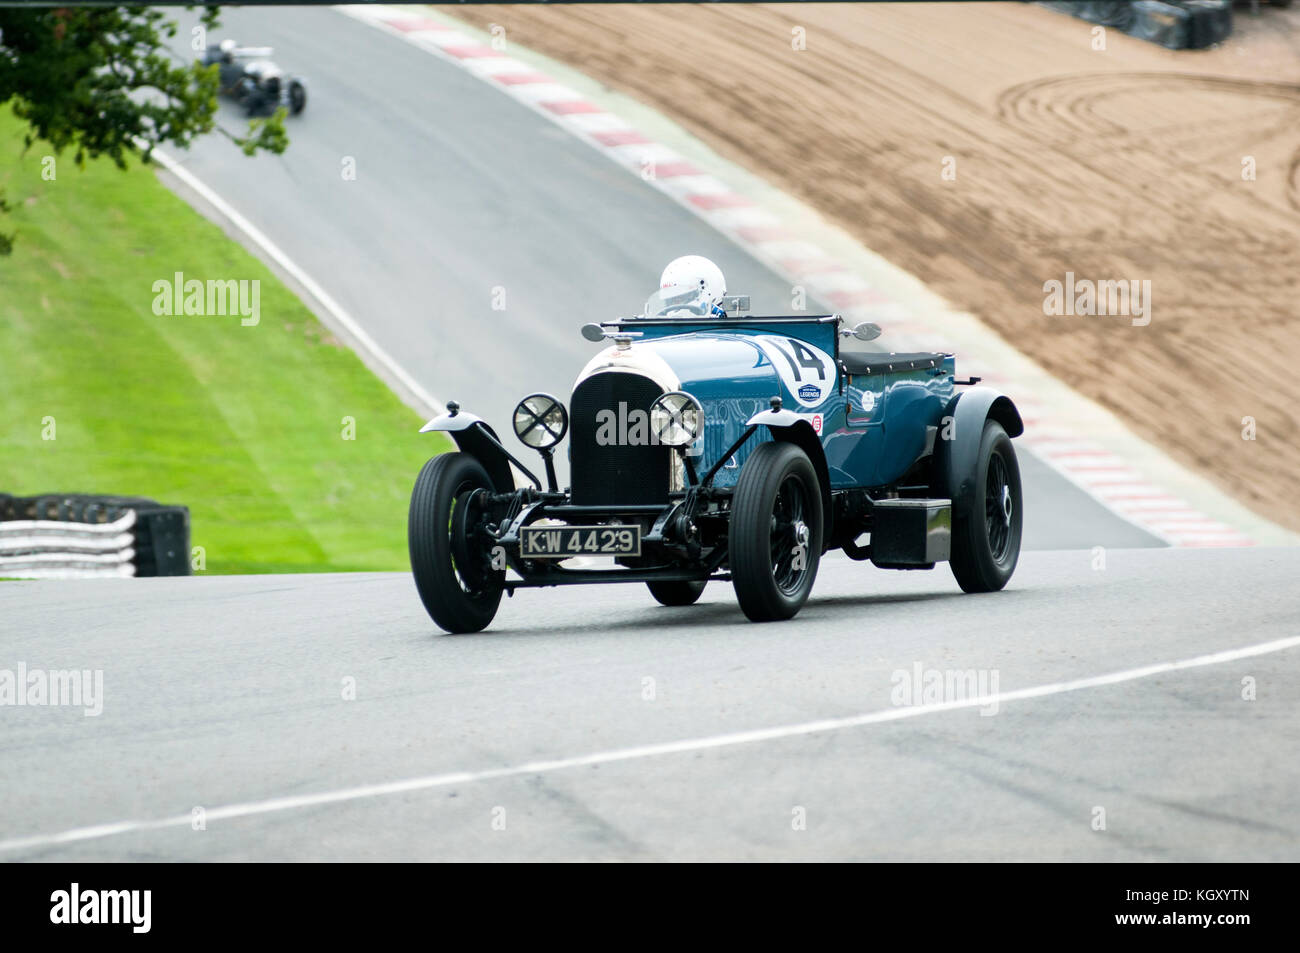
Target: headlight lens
point(677, 419)
point(540, 421)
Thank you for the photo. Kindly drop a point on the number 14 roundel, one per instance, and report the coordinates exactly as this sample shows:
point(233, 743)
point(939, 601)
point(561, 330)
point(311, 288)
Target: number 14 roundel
point(807, 372)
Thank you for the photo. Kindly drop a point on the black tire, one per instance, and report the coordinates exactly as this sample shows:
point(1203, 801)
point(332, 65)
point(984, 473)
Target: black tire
point(297, 97)
point(457, 585)
point(245, 93)
point(776, 494)
point(986, 542)
point(677, 593)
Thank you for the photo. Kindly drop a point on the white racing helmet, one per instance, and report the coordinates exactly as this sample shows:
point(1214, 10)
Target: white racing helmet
point(694, 273)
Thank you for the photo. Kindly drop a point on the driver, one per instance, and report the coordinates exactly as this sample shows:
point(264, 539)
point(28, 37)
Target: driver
point(695, 273)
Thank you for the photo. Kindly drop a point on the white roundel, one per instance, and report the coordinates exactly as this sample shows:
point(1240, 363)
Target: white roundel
point(807, 372)
point(868, 401)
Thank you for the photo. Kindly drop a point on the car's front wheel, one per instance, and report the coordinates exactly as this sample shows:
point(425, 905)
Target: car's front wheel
point(986, 539)
point(297, 97)
point(775, 532)
point(244, 91)
point(454, 576)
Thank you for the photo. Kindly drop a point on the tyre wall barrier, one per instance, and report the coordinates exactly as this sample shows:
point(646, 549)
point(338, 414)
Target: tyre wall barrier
point(1211, 21)
point(60, 535)
point(1176, 24)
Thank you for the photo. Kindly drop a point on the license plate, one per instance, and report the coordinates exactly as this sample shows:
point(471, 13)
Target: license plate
point(562, 542)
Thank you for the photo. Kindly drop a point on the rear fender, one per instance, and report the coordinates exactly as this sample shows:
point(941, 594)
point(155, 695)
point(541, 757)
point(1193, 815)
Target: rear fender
point(957, 448)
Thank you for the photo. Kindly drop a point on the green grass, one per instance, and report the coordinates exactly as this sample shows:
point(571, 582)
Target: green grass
point(244, 425)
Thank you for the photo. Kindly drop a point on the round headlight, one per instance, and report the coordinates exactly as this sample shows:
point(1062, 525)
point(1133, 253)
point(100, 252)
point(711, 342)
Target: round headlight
point(676, 419)
point(540, 421)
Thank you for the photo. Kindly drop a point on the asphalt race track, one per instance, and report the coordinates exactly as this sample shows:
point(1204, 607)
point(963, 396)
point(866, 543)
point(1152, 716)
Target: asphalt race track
point(459, 190)
point(591, 722)
point(227, 692)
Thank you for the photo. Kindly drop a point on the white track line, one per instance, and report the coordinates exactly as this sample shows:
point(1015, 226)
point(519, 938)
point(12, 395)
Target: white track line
point(273, 805)
point(363, 341)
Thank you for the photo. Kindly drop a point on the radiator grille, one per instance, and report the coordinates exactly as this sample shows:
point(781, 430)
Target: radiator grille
point(615, 472)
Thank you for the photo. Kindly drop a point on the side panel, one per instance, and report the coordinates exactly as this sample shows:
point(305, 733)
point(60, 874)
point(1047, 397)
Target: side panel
point(734, 376)
point(872, 427)
point(885, 420)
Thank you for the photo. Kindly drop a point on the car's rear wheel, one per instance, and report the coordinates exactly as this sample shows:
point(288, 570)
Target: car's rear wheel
point(986, 539)
point(677, 593)
point(454, 577)
point(297, 97)
point(775, 532)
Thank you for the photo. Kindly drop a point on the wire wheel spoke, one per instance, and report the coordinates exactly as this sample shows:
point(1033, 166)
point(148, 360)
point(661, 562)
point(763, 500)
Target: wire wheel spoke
point(998, 507)
point(787, 520)
point(468, 566)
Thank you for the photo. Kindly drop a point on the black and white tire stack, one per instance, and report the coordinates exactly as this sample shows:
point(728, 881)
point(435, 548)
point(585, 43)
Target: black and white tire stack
point(61, 536)
point(1175, 24)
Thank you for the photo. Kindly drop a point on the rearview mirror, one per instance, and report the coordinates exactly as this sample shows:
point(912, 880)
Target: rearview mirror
point(866, 331)
point(593, 332)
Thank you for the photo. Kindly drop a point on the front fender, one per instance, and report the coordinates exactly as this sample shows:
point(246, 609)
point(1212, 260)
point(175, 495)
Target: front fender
point(956, 452)
point(775, 418)
point(473, 435)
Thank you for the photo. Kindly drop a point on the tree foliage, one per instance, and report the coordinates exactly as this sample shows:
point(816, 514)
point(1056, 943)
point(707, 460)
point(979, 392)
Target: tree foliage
point(104, 81)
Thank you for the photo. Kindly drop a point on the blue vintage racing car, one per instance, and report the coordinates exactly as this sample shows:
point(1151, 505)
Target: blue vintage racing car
point(708, 445)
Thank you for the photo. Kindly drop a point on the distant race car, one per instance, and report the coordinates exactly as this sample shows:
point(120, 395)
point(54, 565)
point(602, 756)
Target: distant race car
point(250, 78)
point(709, 446)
